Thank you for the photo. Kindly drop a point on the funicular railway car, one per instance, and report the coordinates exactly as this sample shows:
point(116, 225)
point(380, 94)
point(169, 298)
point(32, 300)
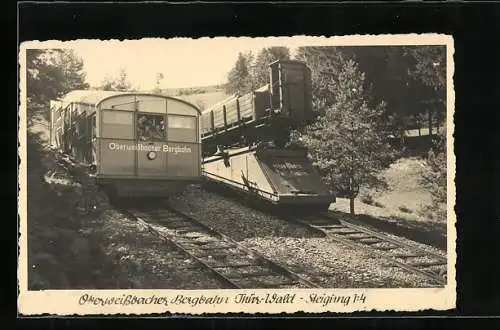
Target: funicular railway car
point(246, 146)
point(136, 144)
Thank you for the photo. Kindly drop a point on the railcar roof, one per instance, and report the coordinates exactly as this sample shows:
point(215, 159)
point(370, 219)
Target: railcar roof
point(94, 97)
point(88, 96)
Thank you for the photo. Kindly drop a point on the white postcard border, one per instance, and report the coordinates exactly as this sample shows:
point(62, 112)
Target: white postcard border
point(99, 302)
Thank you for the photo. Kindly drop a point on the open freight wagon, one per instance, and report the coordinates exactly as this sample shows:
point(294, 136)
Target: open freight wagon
point(267, 112)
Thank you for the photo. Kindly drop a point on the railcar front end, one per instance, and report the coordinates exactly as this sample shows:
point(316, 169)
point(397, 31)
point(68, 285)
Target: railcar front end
point(149, 145)
point(141, 145)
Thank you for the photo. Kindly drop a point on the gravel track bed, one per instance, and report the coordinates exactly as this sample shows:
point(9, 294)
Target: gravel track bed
point(320, 260)
point(233, 256)
point(334, 265)
point(437, 269)
point(405, 240)
point(421, 246)
point(416, 260)
point(233, 219)
point(382, 245)
point(148, 261)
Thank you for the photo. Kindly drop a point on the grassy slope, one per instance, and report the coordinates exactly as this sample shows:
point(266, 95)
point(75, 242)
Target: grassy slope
point(60, 254)
point(202, 97)
point(204, 100)
point(404, 202)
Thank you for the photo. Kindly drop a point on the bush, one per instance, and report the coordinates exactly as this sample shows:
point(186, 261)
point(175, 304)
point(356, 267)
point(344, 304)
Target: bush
point(367, 199)
point(435, 177)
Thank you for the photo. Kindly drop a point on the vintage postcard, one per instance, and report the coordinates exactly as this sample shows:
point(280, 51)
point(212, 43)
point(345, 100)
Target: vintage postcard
point(229, 175)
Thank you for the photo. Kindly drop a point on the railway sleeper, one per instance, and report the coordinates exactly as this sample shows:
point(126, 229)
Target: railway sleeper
point(370, 240)
point(195, 232)
point(177, 225)
point(359, 237)
point(428, 263)
point(217, 253)
point(246, 275)
point(262, 283)
point(192, 240)
point(408, 256)
point(386, 248)
point(215, 247)
point(324, 224)
point(241, 270)
point(235, 265)
point(329, 226)
point(275, 281)
point(189, 245)
point(170, 216)
point(343, 233)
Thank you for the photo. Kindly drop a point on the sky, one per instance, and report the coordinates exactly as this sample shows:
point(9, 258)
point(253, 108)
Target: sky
point(183, 62)
point(187, 62)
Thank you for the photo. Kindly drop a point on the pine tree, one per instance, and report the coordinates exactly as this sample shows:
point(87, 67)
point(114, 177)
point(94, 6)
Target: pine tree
point(239, 79)
point(435, 176)
point(324, 62)
point(429, 67)
point(347, 142)
point(72, 70)
point(264, 58)
point(159, 78)
point(117, 84)
point(52, 73)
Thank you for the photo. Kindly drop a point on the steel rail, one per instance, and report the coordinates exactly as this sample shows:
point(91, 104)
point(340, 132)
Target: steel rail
point(257, 258)
point(329, 231)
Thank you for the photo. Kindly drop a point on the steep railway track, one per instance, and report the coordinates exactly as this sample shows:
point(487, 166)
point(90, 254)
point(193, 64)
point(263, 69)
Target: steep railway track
point(232, 263)
point(403, 255)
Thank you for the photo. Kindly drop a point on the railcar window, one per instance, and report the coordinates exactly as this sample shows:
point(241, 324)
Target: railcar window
point(181, 122)
point(117, 124)
point(150, 127)
point(80, 125)
point(182, 128)
point(66, 116)
point(94, 127)
point(57, 114)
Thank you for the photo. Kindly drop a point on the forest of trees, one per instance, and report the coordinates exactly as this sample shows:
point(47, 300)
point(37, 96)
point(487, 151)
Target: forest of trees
point(51, 73)
point(250, 73)
point(409, 79)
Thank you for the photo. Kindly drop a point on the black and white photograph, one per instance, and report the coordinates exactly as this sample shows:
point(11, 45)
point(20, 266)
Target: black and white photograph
point(273, 174)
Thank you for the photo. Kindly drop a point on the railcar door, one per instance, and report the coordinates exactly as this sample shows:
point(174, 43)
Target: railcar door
point(183, 146)
point(117, 145)
point(294, 91)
